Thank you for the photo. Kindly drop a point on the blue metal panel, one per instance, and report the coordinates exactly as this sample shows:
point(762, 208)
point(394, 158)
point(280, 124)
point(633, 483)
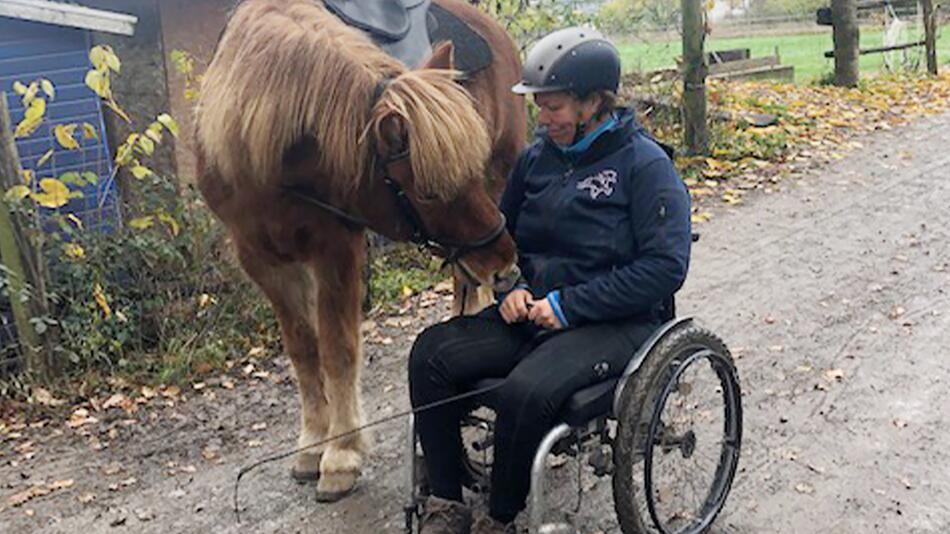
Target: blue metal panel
point(32, 50)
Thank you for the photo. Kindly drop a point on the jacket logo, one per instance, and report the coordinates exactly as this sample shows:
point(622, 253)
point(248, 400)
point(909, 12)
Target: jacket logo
point(601, 183)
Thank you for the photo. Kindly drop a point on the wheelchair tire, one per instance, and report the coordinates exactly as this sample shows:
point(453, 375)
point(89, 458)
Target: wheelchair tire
point(643, 437)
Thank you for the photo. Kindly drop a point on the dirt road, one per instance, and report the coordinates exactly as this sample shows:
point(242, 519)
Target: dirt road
point(833, 291)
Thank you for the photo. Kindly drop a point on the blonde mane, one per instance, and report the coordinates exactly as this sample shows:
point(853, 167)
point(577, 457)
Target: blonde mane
point(288, 69)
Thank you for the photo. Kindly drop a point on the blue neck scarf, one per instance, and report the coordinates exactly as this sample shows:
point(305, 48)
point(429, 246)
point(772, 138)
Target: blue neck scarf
point(585, 142)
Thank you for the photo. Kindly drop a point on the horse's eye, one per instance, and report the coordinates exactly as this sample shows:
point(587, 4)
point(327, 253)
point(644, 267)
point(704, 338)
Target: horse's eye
point(427, 198)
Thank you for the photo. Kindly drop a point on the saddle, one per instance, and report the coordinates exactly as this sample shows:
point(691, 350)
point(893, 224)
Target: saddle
point(406, 29)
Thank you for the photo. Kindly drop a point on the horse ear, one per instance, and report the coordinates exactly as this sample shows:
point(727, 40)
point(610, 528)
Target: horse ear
point(393, 136)
point(443, 57)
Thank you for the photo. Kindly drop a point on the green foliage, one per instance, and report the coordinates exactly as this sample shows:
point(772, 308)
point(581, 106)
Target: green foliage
point(776, 8)
point(158, 298)
point(156, 302)
point(400, 271)
point(626, 16)
point(529, 20)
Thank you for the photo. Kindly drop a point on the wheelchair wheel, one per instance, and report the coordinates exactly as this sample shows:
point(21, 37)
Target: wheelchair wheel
point(679, 429)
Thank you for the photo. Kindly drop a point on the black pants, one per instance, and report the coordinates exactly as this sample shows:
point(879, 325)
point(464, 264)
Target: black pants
point(543, 370)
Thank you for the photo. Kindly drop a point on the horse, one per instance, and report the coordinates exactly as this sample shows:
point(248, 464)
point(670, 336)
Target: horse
point(306, 134)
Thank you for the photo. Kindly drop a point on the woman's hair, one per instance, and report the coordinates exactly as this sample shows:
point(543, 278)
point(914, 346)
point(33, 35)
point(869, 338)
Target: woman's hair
point(608, 102)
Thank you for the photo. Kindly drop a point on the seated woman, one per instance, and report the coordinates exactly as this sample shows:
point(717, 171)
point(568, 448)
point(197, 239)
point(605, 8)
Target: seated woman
point(602, 224)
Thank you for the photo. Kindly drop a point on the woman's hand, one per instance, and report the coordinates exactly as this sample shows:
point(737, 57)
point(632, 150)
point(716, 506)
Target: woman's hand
point(543, 315)
point(515, 306)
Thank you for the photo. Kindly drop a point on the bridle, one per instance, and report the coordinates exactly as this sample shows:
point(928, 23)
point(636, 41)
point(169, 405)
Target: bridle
point(451, 250)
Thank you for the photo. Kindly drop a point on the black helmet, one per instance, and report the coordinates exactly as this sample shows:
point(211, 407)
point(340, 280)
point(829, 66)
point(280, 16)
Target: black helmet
point(577, 60)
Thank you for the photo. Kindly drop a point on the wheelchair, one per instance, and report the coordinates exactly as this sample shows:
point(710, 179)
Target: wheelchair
point(671, 424)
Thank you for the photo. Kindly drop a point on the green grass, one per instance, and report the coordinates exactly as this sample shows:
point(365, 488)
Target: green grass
point(804, 51)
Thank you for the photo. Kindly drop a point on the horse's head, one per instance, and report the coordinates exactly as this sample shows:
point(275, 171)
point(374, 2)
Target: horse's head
point(432, 147)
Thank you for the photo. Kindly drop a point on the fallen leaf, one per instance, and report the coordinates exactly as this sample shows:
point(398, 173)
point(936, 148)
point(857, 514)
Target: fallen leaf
point(896, 312)
point(46, 398)
point(86, 498)
point(804, 488)
point(834, 374)
point(258, 426)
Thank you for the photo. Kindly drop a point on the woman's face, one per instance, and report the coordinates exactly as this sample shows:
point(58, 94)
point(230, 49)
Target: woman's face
point(561, 112)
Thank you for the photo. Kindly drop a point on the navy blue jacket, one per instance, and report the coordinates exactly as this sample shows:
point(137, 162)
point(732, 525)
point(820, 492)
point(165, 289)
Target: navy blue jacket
point(607, 231)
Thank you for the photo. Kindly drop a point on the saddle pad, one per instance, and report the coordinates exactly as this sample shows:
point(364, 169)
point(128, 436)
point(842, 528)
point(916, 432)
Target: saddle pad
point(472, 52)
point(385, 19)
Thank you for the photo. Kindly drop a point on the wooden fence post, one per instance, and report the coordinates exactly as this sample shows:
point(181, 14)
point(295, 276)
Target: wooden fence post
point(847, 38)
point(22, 262)
point(930, 31)
point(694, 78)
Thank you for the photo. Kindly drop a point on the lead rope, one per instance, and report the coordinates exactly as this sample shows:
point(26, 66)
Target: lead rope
point(415, 411)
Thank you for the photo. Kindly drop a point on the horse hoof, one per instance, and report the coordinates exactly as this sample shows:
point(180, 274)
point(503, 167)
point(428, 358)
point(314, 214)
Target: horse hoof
point(303, 476)
point(334, 486)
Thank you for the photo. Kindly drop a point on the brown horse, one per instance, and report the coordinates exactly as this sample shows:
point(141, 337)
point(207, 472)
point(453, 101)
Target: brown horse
point(296, 106)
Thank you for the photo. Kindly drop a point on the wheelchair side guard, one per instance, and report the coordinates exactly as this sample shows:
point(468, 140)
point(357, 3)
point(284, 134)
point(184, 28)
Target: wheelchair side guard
point(659, 335)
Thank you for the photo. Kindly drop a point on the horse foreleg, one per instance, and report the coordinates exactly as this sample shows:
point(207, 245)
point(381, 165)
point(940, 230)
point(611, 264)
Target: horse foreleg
point(338, 315)
point(292, 291)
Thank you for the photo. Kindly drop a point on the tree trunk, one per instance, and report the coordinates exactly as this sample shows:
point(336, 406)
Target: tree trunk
point(844, 14)
point(930, 31)
point(23, 263)
point(694, 78)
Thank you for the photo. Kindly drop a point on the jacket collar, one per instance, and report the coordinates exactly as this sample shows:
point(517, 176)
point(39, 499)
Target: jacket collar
point(605, 144)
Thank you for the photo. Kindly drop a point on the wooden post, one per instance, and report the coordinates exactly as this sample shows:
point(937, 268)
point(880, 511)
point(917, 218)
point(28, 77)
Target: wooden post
point(694, 78)
point(21, 261)
point(847, 37)
point(930, 32)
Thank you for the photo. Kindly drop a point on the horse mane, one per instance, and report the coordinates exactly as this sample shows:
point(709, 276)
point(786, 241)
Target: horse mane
point(286, 70)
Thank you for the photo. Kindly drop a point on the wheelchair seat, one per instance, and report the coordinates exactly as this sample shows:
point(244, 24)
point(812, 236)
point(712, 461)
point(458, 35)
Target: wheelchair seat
point(584, 405)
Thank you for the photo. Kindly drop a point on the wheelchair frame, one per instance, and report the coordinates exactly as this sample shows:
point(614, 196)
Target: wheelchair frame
point(583, 436)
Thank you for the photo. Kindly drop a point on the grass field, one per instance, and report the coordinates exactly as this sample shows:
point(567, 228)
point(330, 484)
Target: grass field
point(804, 51)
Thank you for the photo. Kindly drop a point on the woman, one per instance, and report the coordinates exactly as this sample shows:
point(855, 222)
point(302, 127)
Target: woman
point(602, 224)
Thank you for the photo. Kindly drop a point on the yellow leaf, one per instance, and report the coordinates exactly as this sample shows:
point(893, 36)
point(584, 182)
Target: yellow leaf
point(99, 83)
point(154, 135)
point(170, 221)
point(30, 94)
point(97, 56)
point(75, 220)
point(74, 251)
point(17, 193)
point(89, 131)
point(45, 158)
point(28, 176)
point(54, 193)
point(36, 110)
point(19, 88)
point(111, 104)
point(112, 60)
point(27, 127)
point(147, 145)
point(48, 88)
point(64, 136)
point(140, 171)
point(141, 223)
point(100, 296)
point(169, 123)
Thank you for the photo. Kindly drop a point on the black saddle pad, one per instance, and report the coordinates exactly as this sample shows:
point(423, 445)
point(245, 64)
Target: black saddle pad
point(472, 52)
point(386, 19)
